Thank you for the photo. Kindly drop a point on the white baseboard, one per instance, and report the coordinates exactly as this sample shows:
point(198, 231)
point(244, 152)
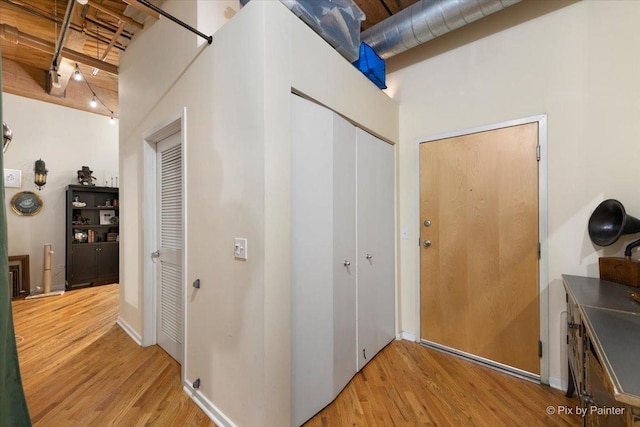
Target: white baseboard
point(207, 407)
point(407, 336)
point(129, 330)
point(557, 383)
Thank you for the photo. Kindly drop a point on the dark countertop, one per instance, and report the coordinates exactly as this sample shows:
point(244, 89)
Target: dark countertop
point(612, 320)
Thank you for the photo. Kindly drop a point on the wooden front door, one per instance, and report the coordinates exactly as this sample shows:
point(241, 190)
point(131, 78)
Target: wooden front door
point(479, 277)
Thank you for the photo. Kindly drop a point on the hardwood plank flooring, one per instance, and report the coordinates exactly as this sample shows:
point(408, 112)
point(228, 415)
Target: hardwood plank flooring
point(79, 369)
point(407, 384)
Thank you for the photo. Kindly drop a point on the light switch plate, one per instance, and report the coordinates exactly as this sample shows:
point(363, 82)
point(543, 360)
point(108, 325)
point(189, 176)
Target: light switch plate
point(240, 248)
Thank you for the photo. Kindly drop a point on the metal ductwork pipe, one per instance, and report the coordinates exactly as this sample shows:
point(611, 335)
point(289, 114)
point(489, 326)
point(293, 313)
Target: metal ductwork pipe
point(426, 20)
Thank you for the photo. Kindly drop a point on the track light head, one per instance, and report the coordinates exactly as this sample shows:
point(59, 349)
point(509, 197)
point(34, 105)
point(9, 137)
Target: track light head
point(76, 74)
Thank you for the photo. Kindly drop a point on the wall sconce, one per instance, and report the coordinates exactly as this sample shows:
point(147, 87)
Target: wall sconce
point(7, 136)
point(40, 170)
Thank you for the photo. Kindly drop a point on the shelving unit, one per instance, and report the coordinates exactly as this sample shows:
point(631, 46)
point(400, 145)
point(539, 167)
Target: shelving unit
point(92, 236)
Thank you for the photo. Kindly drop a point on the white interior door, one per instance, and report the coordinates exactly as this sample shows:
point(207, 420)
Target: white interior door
point(344, 252)
point(170, 289)
point(375, 246)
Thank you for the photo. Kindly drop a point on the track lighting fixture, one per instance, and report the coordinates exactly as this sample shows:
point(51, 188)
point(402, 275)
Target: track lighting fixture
point(76, 74)
point(112, 120)
point(83, 2)
point(93, 102)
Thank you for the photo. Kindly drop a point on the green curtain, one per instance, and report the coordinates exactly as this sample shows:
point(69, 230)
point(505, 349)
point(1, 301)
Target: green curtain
point(13, 405)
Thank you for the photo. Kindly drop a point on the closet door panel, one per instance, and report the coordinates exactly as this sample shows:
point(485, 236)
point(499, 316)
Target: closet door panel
point(311, 259)
point(344, 252)
point(375, 245)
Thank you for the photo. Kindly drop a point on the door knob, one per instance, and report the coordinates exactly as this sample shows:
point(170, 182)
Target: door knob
point(427, 223)
point(347, 263)
point(426, 243)
point(155, 254)
point(369, 256)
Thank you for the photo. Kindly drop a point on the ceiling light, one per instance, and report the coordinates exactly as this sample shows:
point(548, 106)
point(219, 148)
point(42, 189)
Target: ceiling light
point(76, 74)
point(93, 102)
point(83, 2)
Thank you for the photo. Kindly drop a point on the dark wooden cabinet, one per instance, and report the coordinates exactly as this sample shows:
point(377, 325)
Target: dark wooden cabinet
point(92, 236)
point(603, 344)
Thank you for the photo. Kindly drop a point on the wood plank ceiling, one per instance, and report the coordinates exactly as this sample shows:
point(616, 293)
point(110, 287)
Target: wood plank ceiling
point(98, 32)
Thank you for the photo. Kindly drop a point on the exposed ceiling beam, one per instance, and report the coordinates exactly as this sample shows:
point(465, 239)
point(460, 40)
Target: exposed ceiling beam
point(24, 80)
point(116, 15)
point(15, 36)
point(142, 8)
point(66, 67)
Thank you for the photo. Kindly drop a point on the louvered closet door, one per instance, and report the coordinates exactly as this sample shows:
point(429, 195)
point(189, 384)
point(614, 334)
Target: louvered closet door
point(170, 238)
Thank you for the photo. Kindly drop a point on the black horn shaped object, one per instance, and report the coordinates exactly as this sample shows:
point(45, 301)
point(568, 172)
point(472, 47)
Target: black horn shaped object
point(609, 221)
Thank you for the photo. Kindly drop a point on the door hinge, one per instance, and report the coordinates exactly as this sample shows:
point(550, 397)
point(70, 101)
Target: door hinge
point(539, 250)
point(539, 348)
point(538, 152)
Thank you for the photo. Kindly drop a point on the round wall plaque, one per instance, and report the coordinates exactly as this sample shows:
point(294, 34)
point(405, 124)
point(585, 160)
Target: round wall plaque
point(26, 203)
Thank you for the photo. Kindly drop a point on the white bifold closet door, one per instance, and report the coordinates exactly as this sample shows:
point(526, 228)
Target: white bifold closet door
point(376, 253)
point(343, 298)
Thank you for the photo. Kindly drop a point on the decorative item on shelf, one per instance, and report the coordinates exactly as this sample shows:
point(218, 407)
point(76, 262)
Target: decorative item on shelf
point(116, 203)
point(85, 176)
point(78, 219)
point(607, 224)
point(40, 170)
point(115, 220)
point(26, 203)
point(106, 216)
point(7, 136)
point(76, 203)
point(80, 236)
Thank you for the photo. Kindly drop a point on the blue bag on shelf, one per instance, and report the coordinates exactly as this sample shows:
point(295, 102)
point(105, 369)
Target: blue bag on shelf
point(371, 65)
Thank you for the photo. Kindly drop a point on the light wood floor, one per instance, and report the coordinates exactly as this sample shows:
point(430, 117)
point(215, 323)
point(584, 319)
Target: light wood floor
point(79, 369)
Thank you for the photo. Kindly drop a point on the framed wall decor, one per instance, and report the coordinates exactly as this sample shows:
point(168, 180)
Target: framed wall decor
point(19, 275)
point(12, 178)
point(26, 203)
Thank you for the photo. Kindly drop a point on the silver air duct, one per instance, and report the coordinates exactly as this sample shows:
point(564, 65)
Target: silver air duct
point(426, 20)
point(7, 136)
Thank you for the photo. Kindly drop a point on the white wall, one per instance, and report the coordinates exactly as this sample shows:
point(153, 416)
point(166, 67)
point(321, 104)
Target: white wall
point(237, 97)
point(66, 139)
point(574, 61)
